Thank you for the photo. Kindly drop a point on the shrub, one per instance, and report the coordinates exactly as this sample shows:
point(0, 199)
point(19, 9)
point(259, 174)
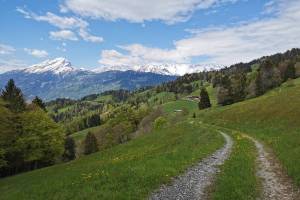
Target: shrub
point(90, 144)
point(160, 122)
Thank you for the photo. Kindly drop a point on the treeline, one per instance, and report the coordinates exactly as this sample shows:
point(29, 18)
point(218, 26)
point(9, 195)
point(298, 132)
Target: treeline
point(61, 103)
point(182, 85)
point(124, 123)
point(243, 80)
point(29, 138)
point(83, 122)
point(117, 95)
point(78, 109)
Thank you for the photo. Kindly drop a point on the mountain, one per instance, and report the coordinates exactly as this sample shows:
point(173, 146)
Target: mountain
point(56, 66)
point(57, 78)
point(165, 69)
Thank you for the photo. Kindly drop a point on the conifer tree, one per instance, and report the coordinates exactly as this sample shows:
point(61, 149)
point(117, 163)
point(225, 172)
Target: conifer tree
point(290, 72)
point(204, 99)
point(39, 102)
point(90, 144)
point(70, 152)
point(14, 97)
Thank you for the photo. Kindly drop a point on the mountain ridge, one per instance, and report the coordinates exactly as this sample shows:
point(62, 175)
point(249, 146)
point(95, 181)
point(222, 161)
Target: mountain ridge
point(62, 66)
point(57, 78)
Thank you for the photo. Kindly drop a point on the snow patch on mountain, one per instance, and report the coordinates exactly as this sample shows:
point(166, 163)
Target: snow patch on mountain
point(164, 69)
point(62, 66)
point(56, 66)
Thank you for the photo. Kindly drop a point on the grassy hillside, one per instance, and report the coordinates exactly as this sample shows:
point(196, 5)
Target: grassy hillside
point(172, 106)
point(128, 171)
point(273, 118)
point(211, 92)
point(242, 183)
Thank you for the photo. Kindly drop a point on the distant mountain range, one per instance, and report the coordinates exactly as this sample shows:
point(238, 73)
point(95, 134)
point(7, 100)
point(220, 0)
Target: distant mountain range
point(57, 78)
point(165, 69)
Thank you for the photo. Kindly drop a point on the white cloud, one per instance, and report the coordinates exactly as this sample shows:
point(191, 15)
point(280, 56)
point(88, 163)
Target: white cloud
point(6, 49)
point(242, 42)
point(170, 11)
point(11, 64)
point(73, 23)
point(88, 37)
point(63, 35)
point(36, 52)
point(55, 20)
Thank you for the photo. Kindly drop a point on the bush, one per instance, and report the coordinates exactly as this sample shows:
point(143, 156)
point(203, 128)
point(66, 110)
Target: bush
point(160, 122)
point(70, 153)
point(90, 144)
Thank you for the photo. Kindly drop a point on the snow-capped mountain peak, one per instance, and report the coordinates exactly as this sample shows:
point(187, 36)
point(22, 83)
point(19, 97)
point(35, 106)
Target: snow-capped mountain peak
point(61, 66)
point(56, 66)
point(164, 69)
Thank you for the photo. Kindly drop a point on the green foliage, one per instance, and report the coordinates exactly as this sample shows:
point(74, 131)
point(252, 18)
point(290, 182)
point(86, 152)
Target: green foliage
point(3, 162)
point(268, 77)
point(41, 139)
point(28, 137)
point(90, 144)
point(70, 149)
point(39, 102)
point(297, 69)
point(290, 72)
point(224, 96)
point(7, 132)
point(204, 99)
point(14, 97)
point(83, 122)
point(128, 171)
point(238, 86)
point(224, 93)
point(160, 122)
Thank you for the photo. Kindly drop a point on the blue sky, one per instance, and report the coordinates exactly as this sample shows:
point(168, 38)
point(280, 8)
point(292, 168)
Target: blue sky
point(95, 33)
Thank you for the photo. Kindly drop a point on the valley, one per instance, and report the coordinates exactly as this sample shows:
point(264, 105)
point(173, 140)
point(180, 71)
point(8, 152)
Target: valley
point(160, 142)
point(150, 100)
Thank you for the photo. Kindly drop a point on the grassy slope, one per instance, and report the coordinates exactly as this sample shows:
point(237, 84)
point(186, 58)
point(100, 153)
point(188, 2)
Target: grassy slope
point(162, 97)
point(273, 118)
point(104, 98)
point(80, 135)
point(211, 92)
point(191, 106)
point(129, 171)
point(237, 179)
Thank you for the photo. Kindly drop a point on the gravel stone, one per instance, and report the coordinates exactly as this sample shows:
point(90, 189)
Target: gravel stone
point(193, 183)
point(276, 184)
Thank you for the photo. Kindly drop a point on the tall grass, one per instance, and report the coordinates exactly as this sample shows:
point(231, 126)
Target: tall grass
point(273, 118)
point(129, 171)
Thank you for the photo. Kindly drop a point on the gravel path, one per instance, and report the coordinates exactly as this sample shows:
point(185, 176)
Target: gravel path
point(276, 185)
point(193, 184)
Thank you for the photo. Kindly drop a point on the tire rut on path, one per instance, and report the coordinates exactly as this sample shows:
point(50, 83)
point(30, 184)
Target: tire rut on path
point(193, 184)
point(276, 185)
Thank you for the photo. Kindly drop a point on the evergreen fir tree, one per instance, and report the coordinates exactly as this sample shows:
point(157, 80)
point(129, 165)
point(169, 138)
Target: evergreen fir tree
point(39, 102)
point(90, 144)
point(69, 153)
point(290, 72)
point(204, 99)
point(14, 97)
